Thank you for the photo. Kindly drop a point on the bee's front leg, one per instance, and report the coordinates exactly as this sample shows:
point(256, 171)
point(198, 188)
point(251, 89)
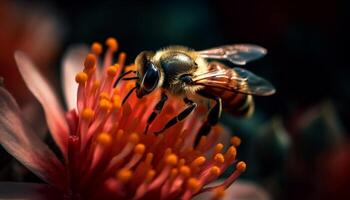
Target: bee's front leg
point(157, 109)
point(188, 110)
point(212, 118)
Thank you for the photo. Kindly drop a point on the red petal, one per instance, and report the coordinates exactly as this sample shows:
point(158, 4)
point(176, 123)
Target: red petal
point(20, 141)
point(46, 96)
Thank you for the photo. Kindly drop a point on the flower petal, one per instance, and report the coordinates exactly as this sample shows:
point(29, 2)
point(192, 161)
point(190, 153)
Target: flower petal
point(46, 96)
point(72, 64)
point(22, 143)
point(30, 191)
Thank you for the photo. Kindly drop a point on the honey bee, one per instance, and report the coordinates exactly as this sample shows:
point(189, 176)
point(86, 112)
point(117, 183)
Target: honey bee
point(184, 72)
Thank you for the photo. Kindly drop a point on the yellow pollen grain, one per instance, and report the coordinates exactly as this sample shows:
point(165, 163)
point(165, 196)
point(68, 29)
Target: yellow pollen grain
point(140, 148)
point(235, 141)
point(185, 171)
point(105, 104)
point(150, 175)
point(241, 166)
point(171, 159)
point(124, 175)
point(134, 138)
point(215, 171)
point(117, 102)
point(112, 71)
point(87, 114)
point(90, 61)
point(96, 48)
point(149, 158)
point(112, 44)
point(198, 161)
point(104, 95)
point(81, 77)
point(120, 134)
point(104, 138)
point(193, 184)
point(219, 158)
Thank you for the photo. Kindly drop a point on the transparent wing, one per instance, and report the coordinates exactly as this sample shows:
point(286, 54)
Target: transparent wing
point(238, 54)
point(235, 80)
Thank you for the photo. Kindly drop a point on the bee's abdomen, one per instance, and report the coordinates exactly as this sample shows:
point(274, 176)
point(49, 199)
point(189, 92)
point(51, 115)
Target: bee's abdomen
point(235, 103)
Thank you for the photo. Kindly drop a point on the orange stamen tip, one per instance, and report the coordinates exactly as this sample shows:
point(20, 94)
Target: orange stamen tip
point(193, 184)
point(116, 91)
point(90, 61)
point(140, 148)
point(150, 175)
point(112, 71)
point(81, 77)
point(96, 48)
point(231, 152)
point(112, 44)
point(149, 158)
point(219, 158)
point(117, 102)
point(182, 161)
point(104, 138)
point(235, 141)
point(198, 161)
point(104, 95)
point(241, 166)
point(105, 104)
point(87, 114)
point(219, 147)
point(215, 171)
point(185, 171)
point(134, 138)
point(171, 159)
point(96, 84)
point(124, 175)
point(120, 134)
point(173, 173)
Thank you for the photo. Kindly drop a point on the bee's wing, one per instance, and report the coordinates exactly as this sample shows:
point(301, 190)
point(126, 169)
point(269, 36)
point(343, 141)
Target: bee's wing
point(235, 80)
point(238, 54)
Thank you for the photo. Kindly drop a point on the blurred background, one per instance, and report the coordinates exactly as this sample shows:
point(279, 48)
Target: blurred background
point(296, 144)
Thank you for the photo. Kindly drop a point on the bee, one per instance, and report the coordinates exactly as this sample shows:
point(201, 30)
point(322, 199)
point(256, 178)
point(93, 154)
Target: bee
point(184, 72)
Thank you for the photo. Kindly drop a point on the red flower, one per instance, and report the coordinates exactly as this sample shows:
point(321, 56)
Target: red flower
point(106, 155)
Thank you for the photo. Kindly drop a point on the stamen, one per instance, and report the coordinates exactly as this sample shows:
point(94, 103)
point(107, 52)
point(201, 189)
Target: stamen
point(231, 153)
point(150, 175)
point(81, 77)
point(121, 58)
point(215, 171)
point(87, 114)
point(112, 44)
point(96, 48)
point(219, 158)
point(185, 171)
point(104, 95)
point(120, 134)
point(105, 104)
point(193, 184)
point(139, 148)
point(218, 148)
point(134, 138)
point(149, 158)
point(171, 159)
point(198, 162)
point(218, 193)
point(104, 138)
point(124, 175)
point(235, 141)
point(90, 62)
point(117, 102)
point(112, 70)
point(241, 166)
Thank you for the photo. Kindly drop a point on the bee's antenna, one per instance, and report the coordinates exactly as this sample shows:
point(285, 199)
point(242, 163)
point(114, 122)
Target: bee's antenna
point(121, 76)
point(129, 93)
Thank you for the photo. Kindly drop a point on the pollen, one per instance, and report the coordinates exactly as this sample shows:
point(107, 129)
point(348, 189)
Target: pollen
point(104, 138)
point(112, 44)
point(124, 175)
point(105, 104)
point(241, 166)
point(87, 114)
point(112, 71)
point(140, 148)
point(117, 102)
point(185, 171)
point(90, 61)
point(193, 184)
point(96, 48)
point(235, 141)
point(171, 159)
point(219, 158)
point(81, 77)
point(134, 138)
point(104, 95)
point(215, 171)
point(198, 161)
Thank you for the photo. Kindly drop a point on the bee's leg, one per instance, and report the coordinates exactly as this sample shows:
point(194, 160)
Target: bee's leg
point(188, 110)
point(157, 109)
point(212, 118)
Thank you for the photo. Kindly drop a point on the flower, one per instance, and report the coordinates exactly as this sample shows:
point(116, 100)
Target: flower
point(105, 151)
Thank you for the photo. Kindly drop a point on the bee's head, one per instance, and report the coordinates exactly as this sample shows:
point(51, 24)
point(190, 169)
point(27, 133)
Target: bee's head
point(148, 74)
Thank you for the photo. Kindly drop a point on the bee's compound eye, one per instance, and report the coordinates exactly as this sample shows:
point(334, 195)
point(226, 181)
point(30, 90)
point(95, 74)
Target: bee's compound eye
point(151, 77)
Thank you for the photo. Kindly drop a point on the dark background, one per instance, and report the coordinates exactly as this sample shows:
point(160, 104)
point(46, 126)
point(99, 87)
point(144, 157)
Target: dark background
point(307, 62)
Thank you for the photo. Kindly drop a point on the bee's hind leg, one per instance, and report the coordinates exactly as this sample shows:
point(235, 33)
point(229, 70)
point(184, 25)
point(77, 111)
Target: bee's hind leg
point(188, 110)
point(157, 109)
point(212, 118)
